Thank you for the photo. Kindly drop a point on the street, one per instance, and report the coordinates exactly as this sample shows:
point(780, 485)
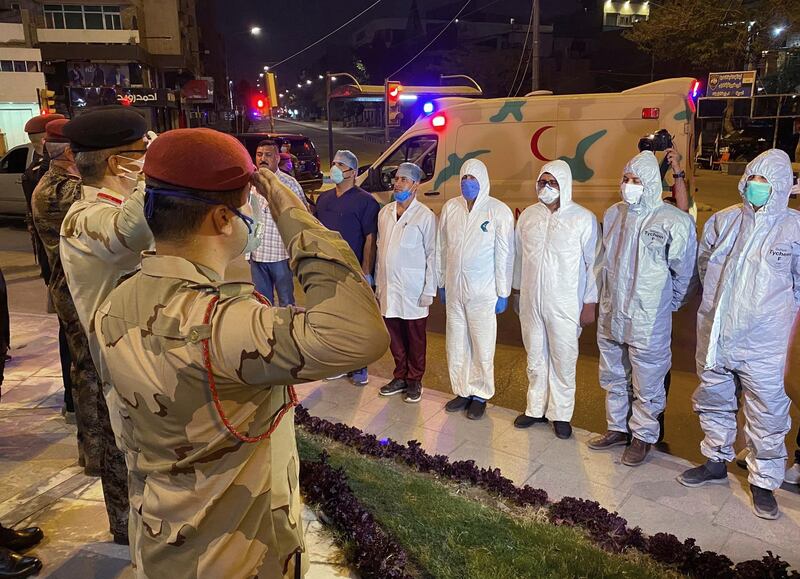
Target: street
point(683, 434)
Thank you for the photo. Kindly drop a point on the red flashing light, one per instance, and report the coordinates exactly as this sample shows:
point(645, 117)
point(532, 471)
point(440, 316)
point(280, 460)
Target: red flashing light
point(651, 113)
point(438, 122)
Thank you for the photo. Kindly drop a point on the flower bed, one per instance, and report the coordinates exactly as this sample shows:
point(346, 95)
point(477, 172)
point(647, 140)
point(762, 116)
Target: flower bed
point(608, 530)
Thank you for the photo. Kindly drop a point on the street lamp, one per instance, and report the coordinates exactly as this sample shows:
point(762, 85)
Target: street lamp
point(778, 30)
point(469, 78)
point(261, 75)
point(253, 31)
point(308, 81)
point(266, 68)
point(330, 78)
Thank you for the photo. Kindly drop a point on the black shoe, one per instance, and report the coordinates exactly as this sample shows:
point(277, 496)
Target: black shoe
point(712, 472)
point(457, 403)
point(413, 391)
point(764, 503)
point(20, 540)
point(476, 410)
point(525, 421)
point(121, 538)
point(660, 428)
point(16, 566)
point(396, 386)
point(562, 429)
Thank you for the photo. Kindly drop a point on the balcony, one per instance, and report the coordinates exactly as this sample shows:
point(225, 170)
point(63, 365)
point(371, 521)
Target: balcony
point(12, 33)
point(81, 36)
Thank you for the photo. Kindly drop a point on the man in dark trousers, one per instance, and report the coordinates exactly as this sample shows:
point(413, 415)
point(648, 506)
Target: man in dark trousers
point(352, 212)
point(36, 129)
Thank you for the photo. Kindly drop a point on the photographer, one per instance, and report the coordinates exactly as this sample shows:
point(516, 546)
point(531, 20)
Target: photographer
point(679, 189)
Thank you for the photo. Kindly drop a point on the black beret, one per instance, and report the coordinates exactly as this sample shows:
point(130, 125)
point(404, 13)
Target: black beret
point(105, 128)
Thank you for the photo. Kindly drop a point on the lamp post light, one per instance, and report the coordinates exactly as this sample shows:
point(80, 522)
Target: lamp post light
point(253, 31)
point(330, 77)
point(469, 78)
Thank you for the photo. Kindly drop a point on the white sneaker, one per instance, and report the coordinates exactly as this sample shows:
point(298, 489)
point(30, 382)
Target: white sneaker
point(792, 475)
point(338, 377)
point(741, 458)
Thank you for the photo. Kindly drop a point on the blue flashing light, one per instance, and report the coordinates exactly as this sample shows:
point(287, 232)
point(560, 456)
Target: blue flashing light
point(427, 108)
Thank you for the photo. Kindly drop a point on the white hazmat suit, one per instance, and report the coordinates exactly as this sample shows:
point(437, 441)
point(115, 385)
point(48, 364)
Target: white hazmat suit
point(648, 272)
point(475, 265)
point(555, 270)
point(749, 263)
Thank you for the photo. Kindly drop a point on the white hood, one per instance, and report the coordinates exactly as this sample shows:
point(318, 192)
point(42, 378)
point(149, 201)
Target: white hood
point(774, 165)
point(477, 169)
point(563, 174)
point(645, 166)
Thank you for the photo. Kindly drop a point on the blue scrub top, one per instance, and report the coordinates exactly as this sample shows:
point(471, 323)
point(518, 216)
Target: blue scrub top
point(354, 215)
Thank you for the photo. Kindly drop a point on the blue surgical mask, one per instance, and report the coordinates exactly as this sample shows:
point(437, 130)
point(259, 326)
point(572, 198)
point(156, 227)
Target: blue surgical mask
point(470, 189)
point(402, 196)
point(337, 175)
point(757, 193)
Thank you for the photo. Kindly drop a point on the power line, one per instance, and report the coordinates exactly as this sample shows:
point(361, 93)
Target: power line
point(522, 54)
point(435, 38)
point(313, 44)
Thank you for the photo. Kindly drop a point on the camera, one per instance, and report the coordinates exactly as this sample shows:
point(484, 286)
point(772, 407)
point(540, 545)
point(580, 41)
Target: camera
point(659, 141)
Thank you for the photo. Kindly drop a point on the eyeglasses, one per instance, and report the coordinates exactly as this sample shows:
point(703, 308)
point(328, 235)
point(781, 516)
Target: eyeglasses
point(542, 183)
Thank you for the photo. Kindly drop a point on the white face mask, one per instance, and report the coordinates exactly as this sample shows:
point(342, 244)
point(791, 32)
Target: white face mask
point(548, 194)
point(632, 193)
point(135, 174)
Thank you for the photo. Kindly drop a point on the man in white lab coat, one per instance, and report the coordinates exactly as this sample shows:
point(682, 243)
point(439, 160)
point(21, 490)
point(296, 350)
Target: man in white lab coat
point(405, 280)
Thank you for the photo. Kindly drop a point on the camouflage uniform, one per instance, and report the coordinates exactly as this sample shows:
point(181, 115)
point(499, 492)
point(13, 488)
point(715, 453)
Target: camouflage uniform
point(204, 502)
point(30, 178)
point(101, 240)
point(56, 192)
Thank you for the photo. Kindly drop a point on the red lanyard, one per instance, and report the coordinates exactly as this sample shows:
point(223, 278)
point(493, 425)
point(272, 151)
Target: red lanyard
point(213, 385)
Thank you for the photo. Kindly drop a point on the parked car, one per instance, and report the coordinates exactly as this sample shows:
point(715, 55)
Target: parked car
point(12, 166)
point(307, 172)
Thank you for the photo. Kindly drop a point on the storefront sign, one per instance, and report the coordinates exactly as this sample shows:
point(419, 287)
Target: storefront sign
point(80, 97)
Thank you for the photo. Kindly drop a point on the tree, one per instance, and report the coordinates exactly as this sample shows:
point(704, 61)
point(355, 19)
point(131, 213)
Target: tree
point(724, 35)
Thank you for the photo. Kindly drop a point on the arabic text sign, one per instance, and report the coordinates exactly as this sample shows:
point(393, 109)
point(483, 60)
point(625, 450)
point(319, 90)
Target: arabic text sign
point(731, 84)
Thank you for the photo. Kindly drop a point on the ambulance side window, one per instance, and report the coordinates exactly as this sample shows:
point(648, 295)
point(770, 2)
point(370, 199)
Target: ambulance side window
point(420, 150)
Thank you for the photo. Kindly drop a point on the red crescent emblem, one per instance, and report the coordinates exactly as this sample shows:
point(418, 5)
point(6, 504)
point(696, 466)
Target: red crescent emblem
point(535, 143)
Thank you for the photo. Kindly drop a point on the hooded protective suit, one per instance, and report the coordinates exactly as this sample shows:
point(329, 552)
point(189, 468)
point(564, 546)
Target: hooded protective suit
point(475, 264)
point(648, 272)
point(749, 263)
point(555, 270)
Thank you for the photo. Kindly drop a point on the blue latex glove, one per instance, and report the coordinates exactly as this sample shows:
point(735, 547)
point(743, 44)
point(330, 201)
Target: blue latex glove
point(442, 296)
point(370, 280)
point(502, 304)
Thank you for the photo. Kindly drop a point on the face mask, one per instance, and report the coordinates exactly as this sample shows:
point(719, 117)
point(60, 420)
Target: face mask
point(548, 194)
point(132, 174)
point(757, 193)
point(337, 175)
point(402, 196)
point(470, 189)
point(56, 150)
point(632, 193)
point(284, 149)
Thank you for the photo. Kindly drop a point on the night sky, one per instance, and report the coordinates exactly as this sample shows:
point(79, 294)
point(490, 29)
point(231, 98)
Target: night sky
point(284, 31)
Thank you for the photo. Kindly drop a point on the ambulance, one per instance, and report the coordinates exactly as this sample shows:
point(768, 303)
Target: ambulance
point(596, 134)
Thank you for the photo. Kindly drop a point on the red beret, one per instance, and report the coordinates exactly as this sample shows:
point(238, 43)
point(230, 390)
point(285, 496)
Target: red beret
point(38, 123)
point(202, 159)
point(55, 131)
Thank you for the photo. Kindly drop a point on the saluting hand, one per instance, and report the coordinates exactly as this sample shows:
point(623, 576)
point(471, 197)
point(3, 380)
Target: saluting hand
point(279, 197)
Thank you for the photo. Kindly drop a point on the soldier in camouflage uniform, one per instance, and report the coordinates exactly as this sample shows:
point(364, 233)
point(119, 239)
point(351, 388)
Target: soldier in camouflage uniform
point(102, 236)
point(200, 367)
point(58, 188)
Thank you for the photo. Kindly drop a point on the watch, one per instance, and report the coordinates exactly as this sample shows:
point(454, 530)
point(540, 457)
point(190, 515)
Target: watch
point(681, 175)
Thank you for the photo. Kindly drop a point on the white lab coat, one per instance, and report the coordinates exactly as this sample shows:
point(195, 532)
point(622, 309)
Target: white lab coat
point(555, 270)
point(404, 271)
point(475, 265)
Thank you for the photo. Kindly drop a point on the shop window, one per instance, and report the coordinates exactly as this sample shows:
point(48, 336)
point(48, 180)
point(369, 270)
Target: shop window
point(78, 17)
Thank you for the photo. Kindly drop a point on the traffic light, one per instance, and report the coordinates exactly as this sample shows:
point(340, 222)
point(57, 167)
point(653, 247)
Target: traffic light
point(393, 114)
point(261, 104)
point(47, 100)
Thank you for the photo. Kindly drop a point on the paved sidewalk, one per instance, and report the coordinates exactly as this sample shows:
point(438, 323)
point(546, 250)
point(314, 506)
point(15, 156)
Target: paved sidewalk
point(42, 484)
point(719, 517)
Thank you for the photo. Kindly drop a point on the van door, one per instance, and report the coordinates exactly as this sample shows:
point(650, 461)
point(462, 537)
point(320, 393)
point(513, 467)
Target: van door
point(418, 149)
point(12, 166)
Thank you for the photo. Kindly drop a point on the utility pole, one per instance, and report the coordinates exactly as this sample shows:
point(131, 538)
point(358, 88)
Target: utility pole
point(328, 114)
point(535, 81)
